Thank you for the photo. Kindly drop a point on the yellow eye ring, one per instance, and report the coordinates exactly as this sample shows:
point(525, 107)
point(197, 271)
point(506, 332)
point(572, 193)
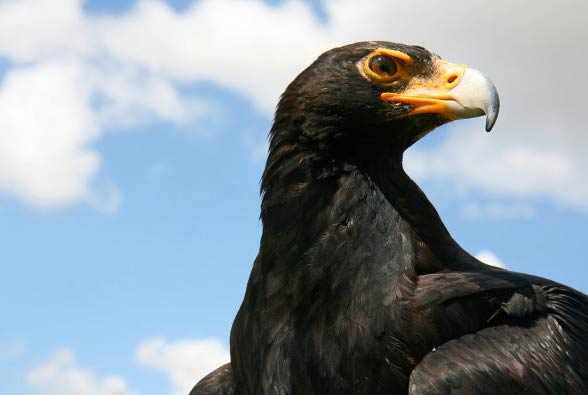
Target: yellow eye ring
point(384, 65)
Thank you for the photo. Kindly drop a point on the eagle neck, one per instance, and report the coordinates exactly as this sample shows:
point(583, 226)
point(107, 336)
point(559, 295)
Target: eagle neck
point(302, 182)
point(414, 207)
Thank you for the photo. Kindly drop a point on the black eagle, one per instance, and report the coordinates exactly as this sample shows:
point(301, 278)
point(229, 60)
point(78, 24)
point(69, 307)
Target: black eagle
point(358, 287)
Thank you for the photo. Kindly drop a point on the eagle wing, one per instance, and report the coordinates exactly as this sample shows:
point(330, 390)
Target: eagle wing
point(500, 332)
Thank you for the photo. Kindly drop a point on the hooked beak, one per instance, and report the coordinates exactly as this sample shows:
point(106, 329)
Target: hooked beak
point(455, 91)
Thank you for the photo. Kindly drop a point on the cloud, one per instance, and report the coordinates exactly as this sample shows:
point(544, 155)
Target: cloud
point(185, 362)
point(489, 258)
point(532, 167)
point(231, 43)
point(127, 96)
point(47, 128)
point(60, 375)
point(60, 93)
point(60, 29)
point(135, 65)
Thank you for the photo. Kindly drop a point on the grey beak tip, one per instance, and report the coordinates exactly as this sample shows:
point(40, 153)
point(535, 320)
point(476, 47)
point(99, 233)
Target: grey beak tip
point(490, 121)
point(491, 116)
point(493, 108)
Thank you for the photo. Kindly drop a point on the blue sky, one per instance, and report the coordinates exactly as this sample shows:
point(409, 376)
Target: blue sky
point(132, 149)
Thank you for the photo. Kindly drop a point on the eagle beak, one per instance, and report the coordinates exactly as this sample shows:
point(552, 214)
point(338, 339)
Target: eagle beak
point(474, 96)
point(455, 91)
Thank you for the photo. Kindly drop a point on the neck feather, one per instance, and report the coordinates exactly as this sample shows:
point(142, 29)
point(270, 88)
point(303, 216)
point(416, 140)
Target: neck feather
point(302, 184)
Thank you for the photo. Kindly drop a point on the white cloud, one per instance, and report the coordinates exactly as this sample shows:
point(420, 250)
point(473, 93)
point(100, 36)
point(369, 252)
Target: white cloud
point(47, 127)
point(135, 63)
point(128, 97)
point(60, 375)
point(489, 258)
point(185, 362)
point(538, 167)
point(34, 30)
point(247, 46)
point(57, 97)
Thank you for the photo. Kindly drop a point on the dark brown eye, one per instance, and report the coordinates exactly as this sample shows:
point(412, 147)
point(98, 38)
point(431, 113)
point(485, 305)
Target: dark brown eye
point(383, 66)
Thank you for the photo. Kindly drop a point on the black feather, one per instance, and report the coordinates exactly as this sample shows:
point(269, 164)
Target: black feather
point(358, 287)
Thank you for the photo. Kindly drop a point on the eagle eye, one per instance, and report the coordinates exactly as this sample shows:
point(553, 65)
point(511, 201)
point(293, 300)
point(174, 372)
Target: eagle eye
point(383, 66)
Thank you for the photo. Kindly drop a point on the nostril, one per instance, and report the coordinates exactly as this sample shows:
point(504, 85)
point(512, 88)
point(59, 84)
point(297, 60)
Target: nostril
point(451, 79)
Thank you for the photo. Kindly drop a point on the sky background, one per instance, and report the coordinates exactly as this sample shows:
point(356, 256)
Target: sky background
point(132, 141)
